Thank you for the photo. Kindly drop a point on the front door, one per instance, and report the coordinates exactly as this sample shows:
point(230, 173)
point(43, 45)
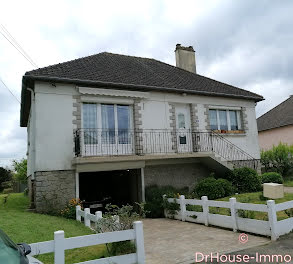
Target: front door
point(184, 135)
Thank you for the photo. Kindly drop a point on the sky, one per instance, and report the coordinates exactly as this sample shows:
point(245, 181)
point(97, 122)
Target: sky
point(245, 43)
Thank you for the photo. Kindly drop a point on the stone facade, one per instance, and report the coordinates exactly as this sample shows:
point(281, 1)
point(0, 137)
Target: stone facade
point(76, 121)
point(137, 123)
point(244, 119)
point(53, 189)
point(172, 116)
point(176, 175)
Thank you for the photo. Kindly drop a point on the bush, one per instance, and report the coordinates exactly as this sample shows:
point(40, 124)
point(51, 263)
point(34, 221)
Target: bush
point(246, 180)
point(272, 177)
point(278, 159)
point(70, 210)
point(154, 199)
point(213, 189)
point(227, 186)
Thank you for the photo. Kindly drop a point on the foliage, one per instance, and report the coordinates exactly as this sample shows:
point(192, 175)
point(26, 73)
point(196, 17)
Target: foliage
point(227, 186)
point(20, 168)
point(117, 219)
point(154, 199)
point(262, 198)
point(289, 212)
point(278, 159)
point(271, 177)
point(24, 226)
point(69, 211)
point(5, 175)
point(171, 208)
point(246, 180)
point(213, 189)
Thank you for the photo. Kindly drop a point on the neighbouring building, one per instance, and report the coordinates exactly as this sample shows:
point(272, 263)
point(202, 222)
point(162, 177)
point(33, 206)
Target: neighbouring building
point(109, 125)
point(276, 126)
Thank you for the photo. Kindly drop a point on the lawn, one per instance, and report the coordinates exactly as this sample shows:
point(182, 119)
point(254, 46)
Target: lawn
point(288, 183)
point(28, 227)
point(247, 198)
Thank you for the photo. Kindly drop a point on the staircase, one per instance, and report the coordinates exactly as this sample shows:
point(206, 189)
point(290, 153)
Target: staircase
point(224, 151)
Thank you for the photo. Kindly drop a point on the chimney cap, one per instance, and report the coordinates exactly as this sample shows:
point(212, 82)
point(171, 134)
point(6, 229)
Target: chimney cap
point(179, 47)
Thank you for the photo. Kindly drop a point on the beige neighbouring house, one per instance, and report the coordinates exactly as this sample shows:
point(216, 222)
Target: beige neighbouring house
point(110, 125)
point(276, 126)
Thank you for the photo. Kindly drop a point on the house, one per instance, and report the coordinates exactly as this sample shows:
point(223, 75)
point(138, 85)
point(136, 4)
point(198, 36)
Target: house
point(110, 125)
point(276, 125)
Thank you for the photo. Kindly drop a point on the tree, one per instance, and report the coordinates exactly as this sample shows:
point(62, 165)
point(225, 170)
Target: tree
point(5, 175)
point(20, 168)
point(279, 159)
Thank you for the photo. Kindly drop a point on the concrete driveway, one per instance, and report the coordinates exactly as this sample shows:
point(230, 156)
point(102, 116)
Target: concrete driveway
point(172, 241)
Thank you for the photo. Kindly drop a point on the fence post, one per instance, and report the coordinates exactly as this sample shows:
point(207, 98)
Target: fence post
point(165, 214)
point(87, 221)
point(59, 247)
point(78, 217)
point(98, 215)
point(139, 242)
point(182, 207)
point(205, 209)
point(272, 213)
point(233, 213)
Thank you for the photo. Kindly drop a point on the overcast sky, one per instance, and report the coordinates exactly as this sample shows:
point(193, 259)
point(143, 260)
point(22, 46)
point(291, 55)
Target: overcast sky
point(245, 43)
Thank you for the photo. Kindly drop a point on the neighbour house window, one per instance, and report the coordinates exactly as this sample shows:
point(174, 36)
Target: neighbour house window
point(106, 123)
point(225, 119)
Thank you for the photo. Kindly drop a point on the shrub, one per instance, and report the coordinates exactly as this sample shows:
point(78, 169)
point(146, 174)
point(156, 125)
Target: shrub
point(227, 186)
point(278, 159)
point(271, 177)
point(126, 216)
point(70, 210)
point(154, 199)
point(246, 180)
point(213, 189)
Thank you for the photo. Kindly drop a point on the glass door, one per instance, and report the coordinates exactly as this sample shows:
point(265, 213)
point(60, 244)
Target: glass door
point(184, 139)
point(107, 129)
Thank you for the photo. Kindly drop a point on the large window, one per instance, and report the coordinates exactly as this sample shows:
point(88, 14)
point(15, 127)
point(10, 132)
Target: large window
point(106, 123)
point(224, 119)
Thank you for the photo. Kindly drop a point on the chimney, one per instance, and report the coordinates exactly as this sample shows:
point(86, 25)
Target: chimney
point(185, 58)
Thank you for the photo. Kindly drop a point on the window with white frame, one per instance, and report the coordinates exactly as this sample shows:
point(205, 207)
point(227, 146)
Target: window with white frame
point(221, 119)
point(106, 123)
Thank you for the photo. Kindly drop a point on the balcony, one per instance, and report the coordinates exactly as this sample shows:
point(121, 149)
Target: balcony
point(105, 142)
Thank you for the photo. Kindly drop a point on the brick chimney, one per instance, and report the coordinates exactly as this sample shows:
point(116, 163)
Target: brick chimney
point(185, 58)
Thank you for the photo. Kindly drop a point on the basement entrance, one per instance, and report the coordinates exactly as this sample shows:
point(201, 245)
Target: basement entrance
point(119, 187)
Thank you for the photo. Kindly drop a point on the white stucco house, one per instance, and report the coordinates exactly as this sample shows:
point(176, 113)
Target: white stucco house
point(110, 125)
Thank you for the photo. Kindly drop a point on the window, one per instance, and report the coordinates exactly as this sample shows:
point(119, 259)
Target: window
point(106, 123)
point(224, 119)
point(181, 120)
point(90, 123)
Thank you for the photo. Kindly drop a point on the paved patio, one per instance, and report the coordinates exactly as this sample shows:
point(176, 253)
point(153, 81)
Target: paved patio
point(172, 241)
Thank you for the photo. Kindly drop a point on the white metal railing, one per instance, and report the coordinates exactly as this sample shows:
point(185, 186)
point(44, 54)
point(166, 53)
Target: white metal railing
point(272, 227)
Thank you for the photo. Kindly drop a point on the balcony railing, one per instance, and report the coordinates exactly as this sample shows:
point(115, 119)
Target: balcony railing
point(106, 142)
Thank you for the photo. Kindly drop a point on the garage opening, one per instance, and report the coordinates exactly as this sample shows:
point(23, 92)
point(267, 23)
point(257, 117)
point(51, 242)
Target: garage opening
point(119, 187)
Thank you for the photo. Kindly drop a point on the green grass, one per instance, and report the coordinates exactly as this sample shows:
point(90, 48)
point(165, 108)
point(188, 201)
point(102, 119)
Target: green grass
point(23, 226)
point(248, 198)
point(288, 183)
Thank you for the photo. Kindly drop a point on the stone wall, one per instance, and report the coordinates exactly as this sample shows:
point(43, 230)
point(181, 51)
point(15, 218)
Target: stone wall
point(53, 189)
point(176, 175)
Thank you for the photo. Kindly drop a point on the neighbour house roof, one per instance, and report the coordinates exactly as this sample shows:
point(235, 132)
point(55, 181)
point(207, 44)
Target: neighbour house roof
point(128, 72)
point(279, 116)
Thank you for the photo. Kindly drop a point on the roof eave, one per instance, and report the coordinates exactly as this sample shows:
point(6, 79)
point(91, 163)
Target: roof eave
point(32, 78)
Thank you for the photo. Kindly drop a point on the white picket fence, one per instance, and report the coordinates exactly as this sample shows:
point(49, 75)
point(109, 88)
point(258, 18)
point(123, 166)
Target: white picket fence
point(60, 243)
point(272, 227)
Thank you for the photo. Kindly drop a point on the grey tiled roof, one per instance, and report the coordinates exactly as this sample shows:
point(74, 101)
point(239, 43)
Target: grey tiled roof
point(141, 72)
point(281, 115)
